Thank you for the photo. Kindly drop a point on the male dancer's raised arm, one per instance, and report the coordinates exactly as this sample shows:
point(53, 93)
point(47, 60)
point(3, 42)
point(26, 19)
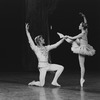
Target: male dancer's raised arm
point(31, 42)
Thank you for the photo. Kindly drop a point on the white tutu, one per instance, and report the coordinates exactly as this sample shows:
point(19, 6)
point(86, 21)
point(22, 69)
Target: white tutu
point(83, 49)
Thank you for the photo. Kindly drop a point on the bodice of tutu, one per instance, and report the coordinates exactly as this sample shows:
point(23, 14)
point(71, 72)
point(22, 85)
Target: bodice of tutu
point(83, 42)
point(75, 44)
point(83, 39)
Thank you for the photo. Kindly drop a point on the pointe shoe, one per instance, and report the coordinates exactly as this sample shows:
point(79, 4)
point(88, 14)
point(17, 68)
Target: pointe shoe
point(82, 82)
point(31, 83)
point(60, 35)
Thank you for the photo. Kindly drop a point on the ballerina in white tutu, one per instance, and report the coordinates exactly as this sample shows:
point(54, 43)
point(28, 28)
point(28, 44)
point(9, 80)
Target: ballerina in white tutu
point(80, 46)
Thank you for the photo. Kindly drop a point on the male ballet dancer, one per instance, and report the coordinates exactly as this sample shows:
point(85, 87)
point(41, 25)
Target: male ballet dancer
point(41, 52)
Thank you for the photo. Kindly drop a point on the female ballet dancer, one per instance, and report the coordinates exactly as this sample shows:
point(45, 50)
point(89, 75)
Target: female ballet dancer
point(41, 52)
point(80, 46)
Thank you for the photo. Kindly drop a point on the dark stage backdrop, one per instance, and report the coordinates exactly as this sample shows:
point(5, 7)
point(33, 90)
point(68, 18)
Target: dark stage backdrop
point(62, 15)
point(11, 34)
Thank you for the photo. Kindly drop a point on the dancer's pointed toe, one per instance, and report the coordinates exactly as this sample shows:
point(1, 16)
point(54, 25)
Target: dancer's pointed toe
point(82, 82)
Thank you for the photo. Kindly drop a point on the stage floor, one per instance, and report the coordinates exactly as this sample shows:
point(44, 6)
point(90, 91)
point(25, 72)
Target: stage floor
point(13, 86)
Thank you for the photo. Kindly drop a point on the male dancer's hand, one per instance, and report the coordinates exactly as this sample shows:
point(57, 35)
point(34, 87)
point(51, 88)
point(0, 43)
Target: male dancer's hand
point(27, 26)
point(82, 14)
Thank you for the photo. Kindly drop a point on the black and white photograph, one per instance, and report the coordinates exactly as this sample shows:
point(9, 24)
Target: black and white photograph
point(49, 50)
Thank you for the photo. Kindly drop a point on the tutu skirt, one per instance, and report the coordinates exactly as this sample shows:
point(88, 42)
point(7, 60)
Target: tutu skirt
point(83, 49)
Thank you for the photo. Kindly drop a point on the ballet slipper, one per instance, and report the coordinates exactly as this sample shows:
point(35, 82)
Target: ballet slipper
point(55, 84)
point(60, 35)
point(32, 83)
